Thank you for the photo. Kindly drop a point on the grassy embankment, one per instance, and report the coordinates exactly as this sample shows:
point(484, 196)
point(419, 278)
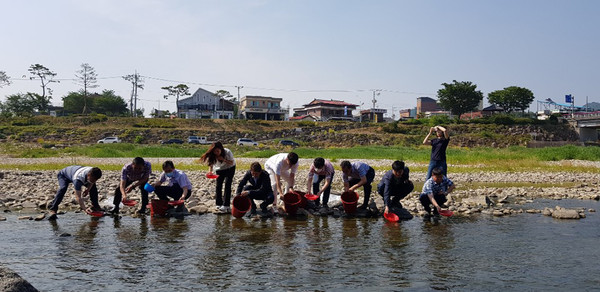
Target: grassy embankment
point(464, 160)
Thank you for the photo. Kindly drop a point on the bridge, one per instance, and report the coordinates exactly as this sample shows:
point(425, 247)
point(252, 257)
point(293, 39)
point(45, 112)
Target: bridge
point(587, 125)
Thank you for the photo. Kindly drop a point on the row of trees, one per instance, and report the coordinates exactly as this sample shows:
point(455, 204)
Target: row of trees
point(463, 97)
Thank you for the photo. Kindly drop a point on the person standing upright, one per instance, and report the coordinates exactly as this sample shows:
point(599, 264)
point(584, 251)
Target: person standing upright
point(438, 149)
point(220, 160)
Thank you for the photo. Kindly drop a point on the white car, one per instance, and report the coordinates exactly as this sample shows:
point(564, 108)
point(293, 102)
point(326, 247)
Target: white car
point(246, 142)
point(109, 140)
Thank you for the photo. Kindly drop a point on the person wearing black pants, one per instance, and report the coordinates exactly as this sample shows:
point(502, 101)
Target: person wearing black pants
point(221, 161)
point(179, 186)
point(134, 174)
point(358, 174)
point(320, 170)
point(395, 185)
point(256, 184)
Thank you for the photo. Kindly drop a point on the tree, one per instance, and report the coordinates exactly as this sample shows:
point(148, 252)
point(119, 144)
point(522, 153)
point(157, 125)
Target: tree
point(512, 98)
point(136, 82)
point(459, 97)
point(87, 78)
point(107, 103)
point(225, 95)
point(19, 105)
point(177, 91)
point(4, 79)
point(45, 76)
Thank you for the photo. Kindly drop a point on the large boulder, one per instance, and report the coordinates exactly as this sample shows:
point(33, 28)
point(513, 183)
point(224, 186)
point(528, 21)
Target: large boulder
point(562, 213)
point(12, 282)
point(481, 200)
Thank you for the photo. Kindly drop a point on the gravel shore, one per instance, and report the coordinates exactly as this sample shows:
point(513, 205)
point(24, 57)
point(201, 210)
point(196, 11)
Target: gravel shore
point(33, 190)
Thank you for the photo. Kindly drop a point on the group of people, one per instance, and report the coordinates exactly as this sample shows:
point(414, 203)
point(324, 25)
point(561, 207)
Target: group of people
point(266, 184)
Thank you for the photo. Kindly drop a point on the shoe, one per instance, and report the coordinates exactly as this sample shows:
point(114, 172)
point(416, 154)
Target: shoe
point(141, 211)
point(52, 216)
point(226, 209)
point(363, 207)
point(426, 217)
point(218, 208)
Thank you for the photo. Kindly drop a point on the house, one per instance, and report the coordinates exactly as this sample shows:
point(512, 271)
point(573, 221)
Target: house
point(409, 113)
point(485, 112)
point(204, 104)
point(262, 108)
point(427, 104)
point(304, 118)
point(372, 115)
point(326, 110)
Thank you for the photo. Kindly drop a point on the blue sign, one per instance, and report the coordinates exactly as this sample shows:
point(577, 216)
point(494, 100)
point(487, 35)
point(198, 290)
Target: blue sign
point(345, 110)
point(568, 98)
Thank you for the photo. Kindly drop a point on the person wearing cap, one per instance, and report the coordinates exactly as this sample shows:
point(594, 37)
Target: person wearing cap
point(256, 185)
point(79, 176)
point(395, 185)
point(320, 170)
point(133, 175)
point(358, 174)
point(282, 166)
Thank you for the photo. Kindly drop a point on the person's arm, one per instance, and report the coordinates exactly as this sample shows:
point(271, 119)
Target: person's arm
point(450, 189)
point(185, 192)
point(434, 202)
point(309, 182)
point(386, 193)
point(242, 184)
point(124, 189)
point(426, 140)
point(363, 180)
point(292, 181)
point(278, 186)
point(325, 186)
point(80, 200)
point(444, 130)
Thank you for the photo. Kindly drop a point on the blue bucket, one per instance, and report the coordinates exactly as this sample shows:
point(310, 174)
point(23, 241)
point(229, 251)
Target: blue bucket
point(148, 187)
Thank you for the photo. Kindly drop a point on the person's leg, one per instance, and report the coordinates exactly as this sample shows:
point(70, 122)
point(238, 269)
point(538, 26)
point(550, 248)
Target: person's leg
point(94, 198)
point(144, 200)
point(63, 185)
point(269, 198)
point(326, 193)
point(315, 186)
point(162, 192)
point(219, 188)
point(256, 196)
point(367, 187)
point(273, 182)
point(444, 167)
point(425, 202)
point(432, 164)
point(228, 181)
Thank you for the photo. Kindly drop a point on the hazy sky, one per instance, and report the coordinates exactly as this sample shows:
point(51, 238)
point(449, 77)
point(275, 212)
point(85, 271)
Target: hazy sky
point(301, 50)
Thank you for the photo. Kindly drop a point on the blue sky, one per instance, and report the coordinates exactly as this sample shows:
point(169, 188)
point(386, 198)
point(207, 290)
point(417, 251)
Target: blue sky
point(301, 50)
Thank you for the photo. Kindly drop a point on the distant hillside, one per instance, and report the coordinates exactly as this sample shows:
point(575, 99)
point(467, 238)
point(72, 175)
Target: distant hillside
point(89, 129)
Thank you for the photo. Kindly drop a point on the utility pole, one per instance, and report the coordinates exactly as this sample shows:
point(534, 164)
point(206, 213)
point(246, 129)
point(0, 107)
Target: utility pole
point(238, 100)
point(393, 113)
point(136, 82)
point(375, 92)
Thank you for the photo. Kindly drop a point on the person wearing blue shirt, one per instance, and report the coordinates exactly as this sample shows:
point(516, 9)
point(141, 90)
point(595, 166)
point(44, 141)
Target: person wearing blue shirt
point(395, 185)
point(358, 174)
point(435, 191)
point(178, 187)
point(438, 149)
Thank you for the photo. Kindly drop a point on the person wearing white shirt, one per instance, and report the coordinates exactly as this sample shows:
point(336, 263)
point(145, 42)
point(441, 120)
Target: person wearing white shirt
point(221, 161)
point(178, 187)
point(282, 166)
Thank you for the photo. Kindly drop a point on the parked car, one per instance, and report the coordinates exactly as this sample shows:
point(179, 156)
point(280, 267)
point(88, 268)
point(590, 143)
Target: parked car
point(198, 140)
point(246, 142)
point(172, 141)
point(288, 143)
point(107, 140)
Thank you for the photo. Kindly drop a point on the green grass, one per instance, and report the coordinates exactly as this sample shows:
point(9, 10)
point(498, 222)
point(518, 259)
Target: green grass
point(470, 160)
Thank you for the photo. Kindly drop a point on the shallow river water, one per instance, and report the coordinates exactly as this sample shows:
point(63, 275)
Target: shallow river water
point(482, 253)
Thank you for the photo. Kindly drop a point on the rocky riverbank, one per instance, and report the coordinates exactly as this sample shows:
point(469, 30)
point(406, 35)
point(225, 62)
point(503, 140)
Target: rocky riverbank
point(32, 191)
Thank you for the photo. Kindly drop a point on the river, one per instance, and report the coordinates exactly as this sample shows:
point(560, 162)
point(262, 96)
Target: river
point(210, 252)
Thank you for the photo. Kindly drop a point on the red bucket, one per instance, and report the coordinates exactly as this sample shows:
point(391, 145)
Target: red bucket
point(349, 201)
point(302, 198)
point(241, 205)
point(158, 207)
point(291, 202)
